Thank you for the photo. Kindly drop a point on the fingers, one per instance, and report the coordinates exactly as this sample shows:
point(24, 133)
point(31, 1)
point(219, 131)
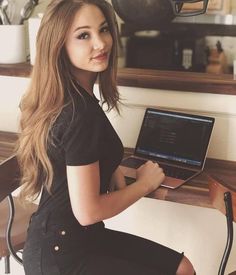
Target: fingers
point(151, 165)
point(156, 166)
point(150, 174)
point(149, 162)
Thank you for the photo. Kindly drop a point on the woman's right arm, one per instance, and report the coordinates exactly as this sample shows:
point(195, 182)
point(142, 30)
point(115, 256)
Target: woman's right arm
point(89, 206)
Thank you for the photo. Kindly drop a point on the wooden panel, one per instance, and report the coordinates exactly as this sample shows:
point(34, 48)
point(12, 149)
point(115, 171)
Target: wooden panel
point(194, 192)
point(155, 79)
point(20, 70)
point(9, 177)
point(7, 144)
point(178, 81)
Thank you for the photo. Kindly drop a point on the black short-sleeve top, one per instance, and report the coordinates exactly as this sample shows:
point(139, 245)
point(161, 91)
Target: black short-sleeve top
point(82, 134)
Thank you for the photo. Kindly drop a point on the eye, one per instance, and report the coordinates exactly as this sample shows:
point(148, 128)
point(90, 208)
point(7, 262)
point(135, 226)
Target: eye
point(105, 29)
point(83, 35)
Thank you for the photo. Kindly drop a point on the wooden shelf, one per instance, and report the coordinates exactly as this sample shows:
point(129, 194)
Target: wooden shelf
point(185, 29)
point(178, 81)
point(154, 79)
point(18, 70)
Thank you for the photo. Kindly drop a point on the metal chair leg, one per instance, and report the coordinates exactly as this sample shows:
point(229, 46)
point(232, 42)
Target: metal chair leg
point(7, 264)
point(9, 227)
point(229, 217)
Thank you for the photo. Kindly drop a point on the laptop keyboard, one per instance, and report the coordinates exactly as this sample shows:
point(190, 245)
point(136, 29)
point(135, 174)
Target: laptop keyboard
point(169, 171)
point(133, 162)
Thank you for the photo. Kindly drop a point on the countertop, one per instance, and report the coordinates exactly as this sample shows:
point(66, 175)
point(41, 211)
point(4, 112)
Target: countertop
point(194, 192)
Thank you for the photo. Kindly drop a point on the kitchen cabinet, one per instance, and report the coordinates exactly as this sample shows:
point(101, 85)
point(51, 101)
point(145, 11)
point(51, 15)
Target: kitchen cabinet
point(189, 29)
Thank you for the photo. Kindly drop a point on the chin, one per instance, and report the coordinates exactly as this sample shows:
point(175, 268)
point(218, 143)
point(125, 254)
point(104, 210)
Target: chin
point(100, 68)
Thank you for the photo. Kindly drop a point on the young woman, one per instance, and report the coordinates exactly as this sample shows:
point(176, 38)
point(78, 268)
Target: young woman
point(69, 151)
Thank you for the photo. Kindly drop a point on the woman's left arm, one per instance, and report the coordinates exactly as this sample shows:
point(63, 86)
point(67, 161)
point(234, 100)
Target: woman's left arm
point(117, 180)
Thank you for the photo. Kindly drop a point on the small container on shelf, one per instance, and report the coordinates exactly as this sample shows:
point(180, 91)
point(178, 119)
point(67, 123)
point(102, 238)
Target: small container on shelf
point(12, 46)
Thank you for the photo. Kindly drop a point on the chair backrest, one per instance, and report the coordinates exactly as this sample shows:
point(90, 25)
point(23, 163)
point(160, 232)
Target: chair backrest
point(223, 197)
point(9, 176)
point(9, 181)
point(218, 187)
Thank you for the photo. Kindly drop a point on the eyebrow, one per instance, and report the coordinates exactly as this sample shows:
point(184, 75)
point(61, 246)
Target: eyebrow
point(88, 27)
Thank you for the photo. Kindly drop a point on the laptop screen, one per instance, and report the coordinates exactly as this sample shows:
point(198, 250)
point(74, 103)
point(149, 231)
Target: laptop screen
point(174, 137)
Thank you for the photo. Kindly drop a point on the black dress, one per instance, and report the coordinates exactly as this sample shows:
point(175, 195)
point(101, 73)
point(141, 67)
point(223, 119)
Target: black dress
point(56, 242)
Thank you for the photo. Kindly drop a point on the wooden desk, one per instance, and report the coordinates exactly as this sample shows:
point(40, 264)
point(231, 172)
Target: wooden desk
point(7, 144)
point(195, 192)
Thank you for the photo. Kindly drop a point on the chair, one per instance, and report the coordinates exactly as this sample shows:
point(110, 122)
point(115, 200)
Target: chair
point(14, 217)
point(223, 198)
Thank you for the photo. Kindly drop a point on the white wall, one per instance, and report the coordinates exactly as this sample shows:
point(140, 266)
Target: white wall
point(222, 107)
point(135, 100)
point(199, 232)
point(11, 90)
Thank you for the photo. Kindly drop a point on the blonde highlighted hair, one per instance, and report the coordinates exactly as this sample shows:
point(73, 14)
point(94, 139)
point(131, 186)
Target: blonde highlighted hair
point(45, 96)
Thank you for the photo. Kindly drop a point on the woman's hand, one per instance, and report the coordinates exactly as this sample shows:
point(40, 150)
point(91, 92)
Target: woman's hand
point(151, 175)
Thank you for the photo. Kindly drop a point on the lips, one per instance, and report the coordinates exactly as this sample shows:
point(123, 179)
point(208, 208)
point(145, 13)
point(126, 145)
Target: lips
point(101, 57)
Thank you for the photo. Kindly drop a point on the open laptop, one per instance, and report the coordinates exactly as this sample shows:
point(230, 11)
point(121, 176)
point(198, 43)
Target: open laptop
point(177, 141)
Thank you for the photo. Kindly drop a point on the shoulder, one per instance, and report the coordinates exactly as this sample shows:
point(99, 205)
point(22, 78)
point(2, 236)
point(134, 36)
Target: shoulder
point(79, 109)
point(78, 103)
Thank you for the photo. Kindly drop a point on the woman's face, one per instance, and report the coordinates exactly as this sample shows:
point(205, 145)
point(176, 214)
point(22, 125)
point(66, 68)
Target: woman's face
point(89, 42)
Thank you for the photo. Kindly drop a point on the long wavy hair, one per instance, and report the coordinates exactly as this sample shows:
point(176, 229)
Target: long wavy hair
point(45, 97)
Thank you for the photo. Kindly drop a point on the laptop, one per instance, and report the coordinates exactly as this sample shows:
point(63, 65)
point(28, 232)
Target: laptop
point(177, 141)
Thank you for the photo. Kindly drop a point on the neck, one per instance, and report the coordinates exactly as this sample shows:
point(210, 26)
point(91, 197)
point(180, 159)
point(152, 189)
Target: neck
point(86, 79)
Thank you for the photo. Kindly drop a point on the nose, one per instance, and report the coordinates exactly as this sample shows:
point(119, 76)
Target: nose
point(98, 43)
